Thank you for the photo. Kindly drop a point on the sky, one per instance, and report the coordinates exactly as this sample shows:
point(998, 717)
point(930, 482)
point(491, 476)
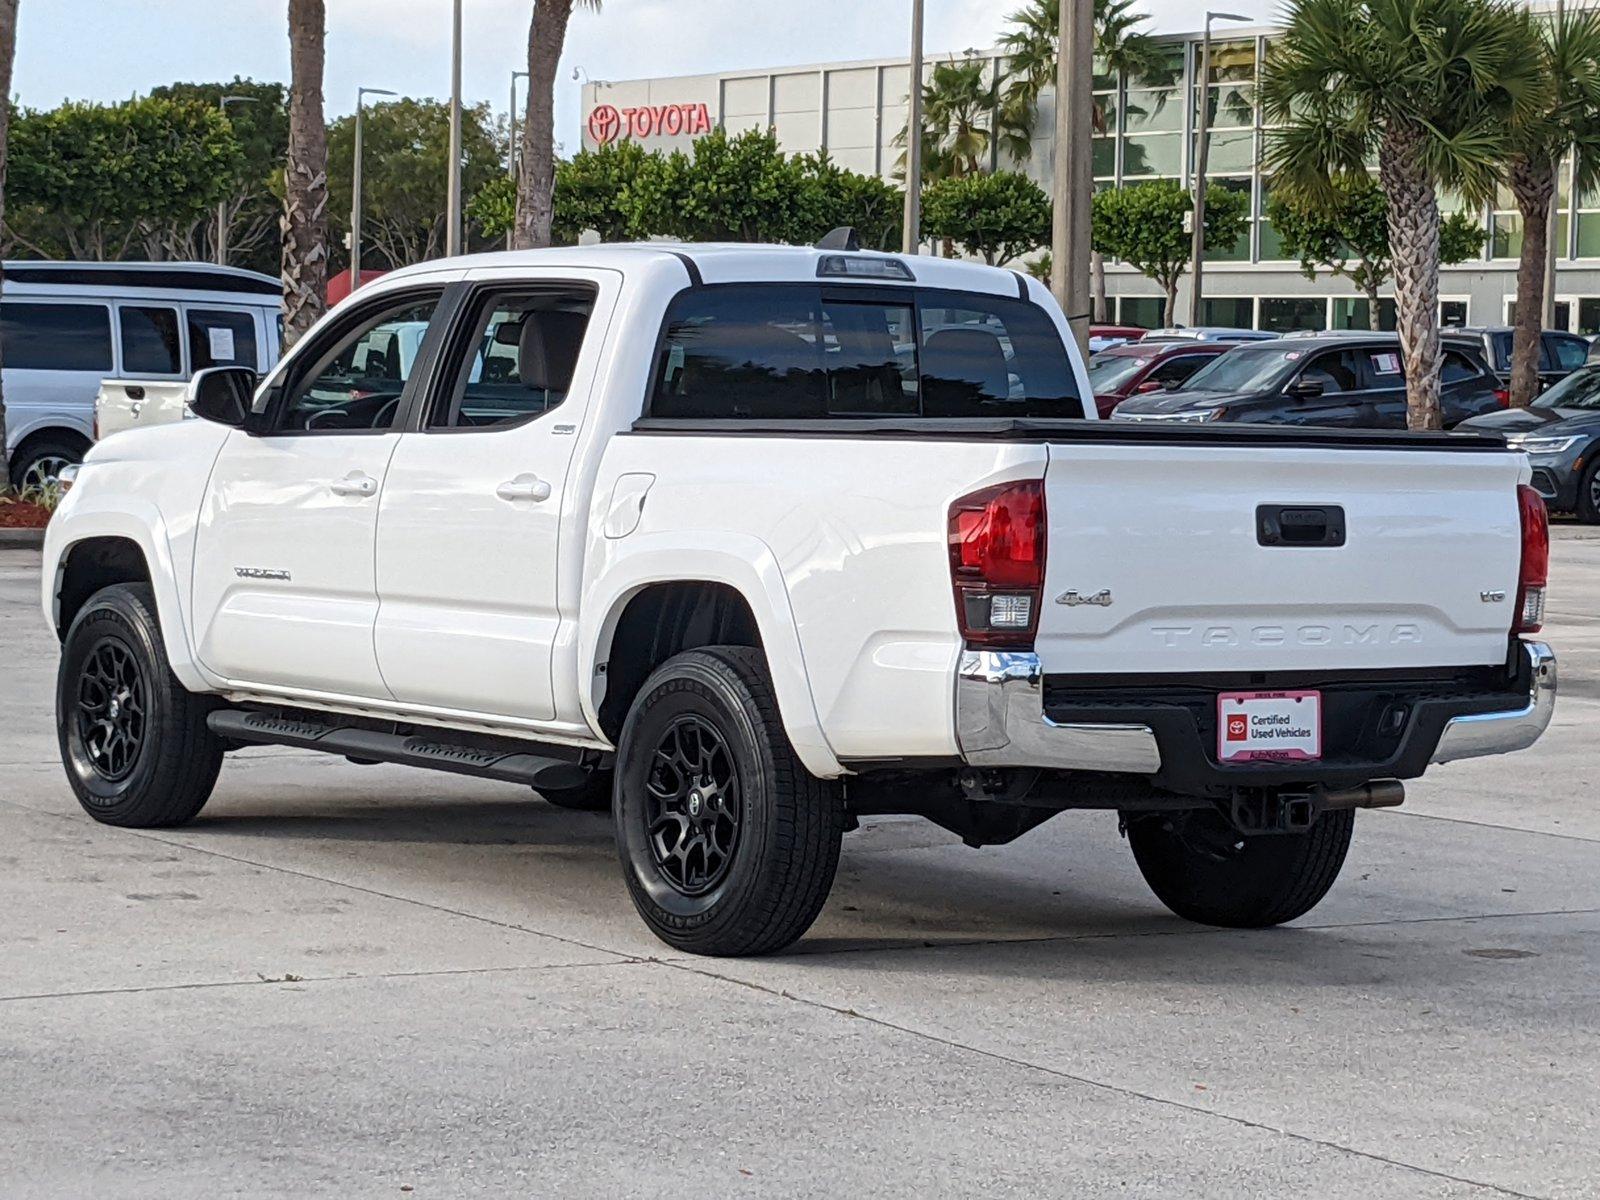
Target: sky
point(108, 50)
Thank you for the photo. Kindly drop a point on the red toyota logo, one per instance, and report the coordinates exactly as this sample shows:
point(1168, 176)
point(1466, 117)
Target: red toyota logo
point(1238, 728)
point(605, 122)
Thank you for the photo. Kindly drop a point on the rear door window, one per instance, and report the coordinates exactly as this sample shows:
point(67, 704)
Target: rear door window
point(221, 338)
point(151, 342)
point(1458, 368)
point(760, 351)
point(1568, 353)
point(55, 337)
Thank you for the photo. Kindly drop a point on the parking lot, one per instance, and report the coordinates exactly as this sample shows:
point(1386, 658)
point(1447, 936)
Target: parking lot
point(365, 981)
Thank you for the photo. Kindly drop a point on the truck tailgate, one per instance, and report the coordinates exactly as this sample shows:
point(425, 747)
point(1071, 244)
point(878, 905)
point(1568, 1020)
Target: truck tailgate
point(1167, 558)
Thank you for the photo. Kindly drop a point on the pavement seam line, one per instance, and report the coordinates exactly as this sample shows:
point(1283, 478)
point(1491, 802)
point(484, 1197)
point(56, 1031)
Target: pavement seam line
point(1566, 837)
point(354, 887)
point(209, 984)
point(1101, 1085)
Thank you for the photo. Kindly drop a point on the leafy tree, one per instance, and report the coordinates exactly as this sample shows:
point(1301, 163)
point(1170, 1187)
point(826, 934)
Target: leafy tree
point(254, 206)
point(737, 188)
point(96, 182)
point(1347, 233)
point(591, 190)
point(1432, 89)
point(405, 173)
point(1566, 47)
point(1143, 225)
point(547, 33)
point(999, 216)
point(960, 107)
point(305, 180)
point(831, 196)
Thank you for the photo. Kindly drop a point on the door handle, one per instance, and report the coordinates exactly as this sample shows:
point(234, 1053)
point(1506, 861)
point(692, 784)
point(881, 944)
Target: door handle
point(524, 487)
point(354, 484)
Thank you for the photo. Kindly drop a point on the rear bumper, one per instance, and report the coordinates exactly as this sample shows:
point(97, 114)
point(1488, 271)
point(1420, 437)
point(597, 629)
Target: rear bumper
point(1007, 716)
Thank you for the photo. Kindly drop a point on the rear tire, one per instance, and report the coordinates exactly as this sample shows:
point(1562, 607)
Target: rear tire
point(134, 742)
point(1204, 870)
point(1589, 493)
point(728, 845)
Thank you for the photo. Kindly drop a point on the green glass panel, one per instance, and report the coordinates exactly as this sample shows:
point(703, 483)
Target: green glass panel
point(1143, 311)
point(1230, 151)
point(1233, 312)
point(1154, 111)
point(1105, 156)
point(1505, 239)
point(1292, 313)
point(1231, 61)
point(1589, 316)
point(1155, 154)
point(1232, 106)
point(1165, 71)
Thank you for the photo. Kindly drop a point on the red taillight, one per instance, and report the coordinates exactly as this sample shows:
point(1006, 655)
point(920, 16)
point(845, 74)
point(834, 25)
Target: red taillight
point(997, 548)
point(1535, 571)
point(1502, 397)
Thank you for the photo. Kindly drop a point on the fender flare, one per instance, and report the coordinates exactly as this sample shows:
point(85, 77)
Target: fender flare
point(140, 522)
point(743, 563)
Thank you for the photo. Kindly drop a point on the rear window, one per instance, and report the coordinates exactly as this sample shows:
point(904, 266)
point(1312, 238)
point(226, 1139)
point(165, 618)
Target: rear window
point(802, 351)
point(55, 337)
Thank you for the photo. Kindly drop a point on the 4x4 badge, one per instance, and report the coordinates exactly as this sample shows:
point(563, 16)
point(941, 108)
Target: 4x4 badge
point(1101, 599)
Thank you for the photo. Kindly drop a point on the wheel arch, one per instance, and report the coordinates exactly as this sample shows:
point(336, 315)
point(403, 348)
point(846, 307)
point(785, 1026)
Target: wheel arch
point(86, 550)
point(38, 433)
point(659, 601)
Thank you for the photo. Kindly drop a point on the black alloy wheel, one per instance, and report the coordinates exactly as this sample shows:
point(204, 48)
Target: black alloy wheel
point(113, 706)
point(692, 805)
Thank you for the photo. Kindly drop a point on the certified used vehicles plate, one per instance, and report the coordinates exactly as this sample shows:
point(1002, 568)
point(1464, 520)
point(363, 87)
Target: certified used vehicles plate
point(1269, 726)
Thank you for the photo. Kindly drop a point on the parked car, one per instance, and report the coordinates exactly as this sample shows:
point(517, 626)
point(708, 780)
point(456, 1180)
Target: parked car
point(1560, 433)
point(1208, 333)
point(1103, 337)
point(766, 540)
point(1141, 367)
point(1560, 354)
point(65, 327)
point(1348, 379)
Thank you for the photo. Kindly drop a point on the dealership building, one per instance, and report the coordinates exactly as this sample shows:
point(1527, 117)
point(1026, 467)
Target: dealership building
point(857, 112)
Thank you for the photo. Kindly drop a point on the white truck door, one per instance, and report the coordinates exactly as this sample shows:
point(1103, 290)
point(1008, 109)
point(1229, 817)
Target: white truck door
point(478, 498)
point(284, 590)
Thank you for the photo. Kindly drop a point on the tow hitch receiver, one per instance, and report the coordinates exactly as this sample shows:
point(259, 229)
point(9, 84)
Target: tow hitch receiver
point(1256, 810)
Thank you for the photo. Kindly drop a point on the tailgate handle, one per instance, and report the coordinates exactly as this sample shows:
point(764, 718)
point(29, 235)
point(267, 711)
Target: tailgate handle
point(1299, 525)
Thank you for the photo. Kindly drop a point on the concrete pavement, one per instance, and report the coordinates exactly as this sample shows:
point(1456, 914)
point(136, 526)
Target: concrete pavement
point(352, 981)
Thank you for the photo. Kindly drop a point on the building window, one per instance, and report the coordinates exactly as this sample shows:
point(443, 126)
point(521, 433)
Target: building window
point(1288, 314)
point(1230, 312)
point(1355, 312)
point(1146, 312)
point(1588, 315)
point(1239, 249)
point(1452, 313)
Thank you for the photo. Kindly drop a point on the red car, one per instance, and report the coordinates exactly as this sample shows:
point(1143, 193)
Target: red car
point(1139, 367)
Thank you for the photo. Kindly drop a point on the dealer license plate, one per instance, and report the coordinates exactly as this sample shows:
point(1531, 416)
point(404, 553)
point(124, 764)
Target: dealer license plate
point(1269, 726)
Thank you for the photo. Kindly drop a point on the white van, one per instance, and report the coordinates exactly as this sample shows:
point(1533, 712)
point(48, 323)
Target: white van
point(66, 327)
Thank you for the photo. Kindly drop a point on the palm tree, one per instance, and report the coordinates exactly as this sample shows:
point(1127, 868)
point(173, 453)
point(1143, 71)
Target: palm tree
point(1567, 117)
point(1430, 87)
point(1033, 48)
point(547, 33)
point(305, 179)
point(960, 103)
point(8, 53)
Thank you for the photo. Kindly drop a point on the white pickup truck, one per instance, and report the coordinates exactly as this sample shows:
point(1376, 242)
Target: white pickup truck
point(746, 543)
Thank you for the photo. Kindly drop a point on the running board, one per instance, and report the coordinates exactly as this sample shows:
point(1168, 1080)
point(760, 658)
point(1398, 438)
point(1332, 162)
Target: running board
point(488, 758)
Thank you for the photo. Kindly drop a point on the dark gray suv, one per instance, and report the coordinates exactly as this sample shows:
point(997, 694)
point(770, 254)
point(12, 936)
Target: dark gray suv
point(1560, 431)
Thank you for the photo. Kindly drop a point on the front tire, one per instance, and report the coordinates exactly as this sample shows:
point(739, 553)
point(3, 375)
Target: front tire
point(134, 742)
point(728, 845)
point(1204, 870)
point(1589, 494)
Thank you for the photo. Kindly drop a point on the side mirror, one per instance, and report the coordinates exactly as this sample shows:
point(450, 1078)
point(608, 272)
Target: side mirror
point(223, 395)
point(1149, 385)
point(1305, 389)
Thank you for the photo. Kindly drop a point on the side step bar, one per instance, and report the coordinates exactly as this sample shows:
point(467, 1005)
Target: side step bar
point(489, 758)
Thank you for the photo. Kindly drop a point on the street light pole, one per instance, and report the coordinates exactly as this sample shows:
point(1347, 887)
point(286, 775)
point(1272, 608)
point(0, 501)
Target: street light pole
point(514, 158)
point(222, 205)
point(911, 238)
point(1197, 246)
point(355, 187)
point(452, 235)
point(1074, 171)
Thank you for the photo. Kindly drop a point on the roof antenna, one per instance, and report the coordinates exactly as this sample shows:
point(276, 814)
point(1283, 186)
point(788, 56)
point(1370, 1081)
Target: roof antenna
point(842, 238)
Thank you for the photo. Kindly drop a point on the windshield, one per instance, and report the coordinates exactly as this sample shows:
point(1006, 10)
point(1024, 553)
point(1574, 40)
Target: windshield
point(1245, 369)
point(1581, 389)
point(1108, 372)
